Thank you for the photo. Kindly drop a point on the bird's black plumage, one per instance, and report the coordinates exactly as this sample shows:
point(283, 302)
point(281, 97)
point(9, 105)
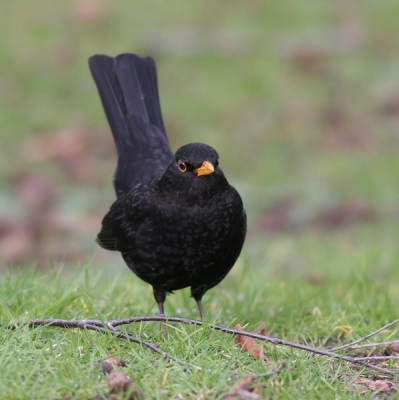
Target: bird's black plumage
point(177, 221)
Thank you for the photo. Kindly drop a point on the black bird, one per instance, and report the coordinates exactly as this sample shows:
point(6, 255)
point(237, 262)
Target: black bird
point(176, 220)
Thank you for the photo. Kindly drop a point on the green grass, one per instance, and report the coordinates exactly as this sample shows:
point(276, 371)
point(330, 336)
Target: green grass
point(306, 126)
point(297, 301)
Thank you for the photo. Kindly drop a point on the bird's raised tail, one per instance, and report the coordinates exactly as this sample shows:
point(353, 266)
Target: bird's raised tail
point(128, 88)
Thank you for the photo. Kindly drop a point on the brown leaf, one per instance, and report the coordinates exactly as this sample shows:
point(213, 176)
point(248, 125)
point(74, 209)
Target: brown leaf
point(241, 389)
point(246, 344)
point(368, 385)
point(118, 382)
point(244, 383)
point(392, 349)
point(241, 395)
point(110, 363)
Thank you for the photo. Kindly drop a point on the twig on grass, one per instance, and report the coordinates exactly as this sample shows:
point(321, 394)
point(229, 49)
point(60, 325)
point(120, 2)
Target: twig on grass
point(363, 339)
point(376, 344)
point(103, 327)
point(269, 339)
point(377, 358)
point(110, 326)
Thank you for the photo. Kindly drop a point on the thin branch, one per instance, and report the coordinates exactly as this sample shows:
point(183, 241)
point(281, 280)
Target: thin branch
point(150, 345)
point(377, 358)
point(376, 344)
point(111, 325)
point(97, 325)
point(363, 339)
point(269, 339)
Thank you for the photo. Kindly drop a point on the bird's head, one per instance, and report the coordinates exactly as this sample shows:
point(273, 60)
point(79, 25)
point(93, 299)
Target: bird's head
point(195, 169)
point(195, 160)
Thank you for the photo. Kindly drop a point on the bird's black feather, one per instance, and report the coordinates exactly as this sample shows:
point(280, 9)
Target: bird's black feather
point(128, 90)
point(175, 227)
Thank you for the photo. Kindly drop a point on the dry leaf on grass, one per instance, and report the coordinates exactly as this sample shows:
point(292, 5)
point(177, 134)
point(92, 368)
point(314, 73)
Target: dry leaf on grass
point(244, 383)
point(392, 349)
point(248, 344)
point(368, 385)
point(241, 390)
point(118, 382)
point(241, 395)
point(110, 363)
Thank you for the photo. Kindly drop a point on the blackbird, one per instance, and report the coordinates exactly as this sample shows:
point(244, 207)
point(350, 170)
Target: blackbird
point(176, 221)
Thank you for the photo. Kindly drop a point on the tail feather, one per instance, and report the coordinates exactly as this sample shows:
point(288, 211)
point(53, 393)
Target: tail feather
point(138, 75)
point(128, 90)
point(154, 80)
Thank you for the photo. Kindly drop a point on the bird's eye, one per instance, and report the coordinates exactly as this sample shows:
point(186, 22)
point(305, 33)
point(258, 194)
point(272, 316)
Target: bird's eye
point(182, 166)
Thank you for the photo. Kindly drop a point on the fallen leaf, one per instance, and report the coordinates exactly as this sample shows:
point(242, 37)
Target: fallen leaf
point(241, 395)
point(118, 382)
point(248, 344)
point(392, 349)
point(245, 382)
point(110, 363)
point(241, 389)
point(369, 385)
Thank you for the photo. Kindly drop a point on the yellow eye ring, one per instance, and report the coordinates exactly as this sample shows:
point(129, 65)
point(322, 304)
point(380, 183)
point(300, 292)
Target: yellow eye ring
point(182, 166)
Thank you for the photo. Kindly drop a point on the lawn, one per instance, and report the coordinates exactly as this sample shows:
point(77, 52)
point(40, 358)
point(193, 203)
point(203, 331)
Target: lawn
point(301, 100)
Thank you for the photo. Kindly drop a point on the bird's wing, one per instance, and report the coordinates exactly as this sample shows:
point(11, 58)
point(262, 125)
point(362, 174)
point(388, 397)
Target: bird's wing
point(122, 222)
point(128, 89)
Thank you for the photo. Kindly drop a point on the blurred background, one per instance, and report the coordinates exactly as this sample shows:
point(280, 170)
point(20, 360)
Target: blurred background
point(301, 100)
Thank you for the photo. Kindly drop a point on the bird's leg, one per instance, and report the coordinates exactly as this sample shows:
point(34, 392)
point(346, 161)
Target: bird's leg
point(160, 296)
point(197, 292)
point(201, 309)
point(161, 309)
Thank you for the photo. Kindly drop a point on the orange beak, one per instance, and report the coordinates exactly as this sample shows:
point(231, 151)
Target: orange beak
point(205, 169)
